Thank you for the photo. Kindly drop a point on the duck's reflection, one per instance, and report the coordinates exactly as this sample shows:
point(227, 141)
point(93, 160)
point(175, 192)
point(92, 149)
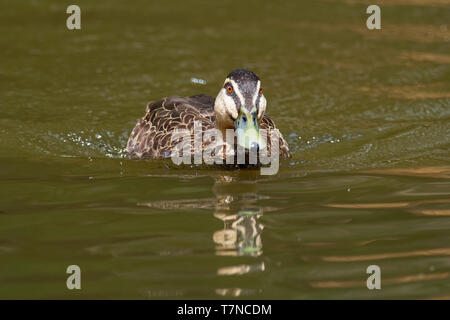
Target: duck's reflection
point(241, 234)
point(236, 205)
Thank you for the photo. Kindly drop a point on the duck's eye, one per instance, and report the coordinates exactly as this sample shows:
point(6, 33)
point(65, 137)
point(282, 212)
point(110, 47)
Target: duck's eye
point(229, 89)
point(260, 90)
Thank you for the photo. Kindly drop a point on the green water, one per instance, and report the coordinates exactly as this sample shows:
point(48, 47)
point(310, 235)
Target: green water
point(366, 114)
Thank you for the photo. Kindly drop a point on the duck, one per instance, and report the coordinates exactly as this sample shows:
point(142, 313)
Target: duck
point(240, 105)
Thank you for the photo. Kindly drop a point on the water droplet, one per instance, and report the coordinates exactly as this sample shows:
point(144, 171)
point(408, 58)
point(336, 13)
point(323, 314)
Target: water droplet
point(198, 81)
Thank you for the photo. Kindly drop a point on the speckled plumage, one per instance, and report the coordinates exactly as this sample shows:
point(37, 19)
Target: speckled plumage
point(151, 137)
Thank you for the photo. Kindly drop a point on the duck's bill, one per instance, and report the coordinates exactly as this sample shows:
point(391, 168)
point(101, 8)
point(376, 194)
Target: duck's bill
point(247, 131)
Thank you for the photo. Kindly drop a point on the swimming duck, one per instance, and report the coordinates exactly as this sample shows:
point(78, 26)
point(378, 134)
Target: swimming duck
point(239, 105)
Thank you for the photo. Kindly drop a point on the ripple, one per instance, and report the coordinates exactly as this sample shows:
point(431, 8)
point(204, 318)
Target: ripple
point(386, 281)
point(382, 256)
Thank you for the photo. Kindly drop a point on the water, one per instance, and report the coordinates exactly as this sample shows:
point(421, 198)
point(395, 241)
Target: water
point(366, 114)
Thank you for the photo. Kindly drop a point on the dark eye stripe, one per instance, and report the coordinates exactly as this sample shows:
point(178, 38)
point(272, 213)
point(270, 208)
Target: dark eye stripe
point(258, 98)
point(236, 99)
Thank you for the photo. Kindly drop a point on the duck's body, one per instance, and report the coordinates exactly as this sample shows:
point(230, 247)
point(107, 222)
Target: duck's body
point(152, 136)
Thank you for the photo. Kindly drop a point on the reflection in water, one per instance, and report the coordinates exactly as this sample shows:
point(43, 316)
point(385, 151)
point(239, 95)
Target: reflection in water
point(424, 207)
point(382, 256)
point(431, 172)
point(433, 212)
point(235, 204)
point(241, 234)
point(236, 292)
point(390, 281)
point(241, 269)
point(242, 229)
point(386, 205)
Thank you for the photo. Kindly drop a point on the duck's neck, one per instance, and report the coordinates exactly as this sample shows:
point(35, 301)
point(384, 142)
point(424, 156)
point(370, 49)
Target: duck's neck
point(223, 120)
point(223, 130)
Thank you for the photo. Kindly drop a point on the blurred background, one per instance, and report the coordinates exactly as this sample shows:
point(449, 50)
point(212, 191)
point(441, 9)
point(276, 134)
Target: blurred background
point(366, 114)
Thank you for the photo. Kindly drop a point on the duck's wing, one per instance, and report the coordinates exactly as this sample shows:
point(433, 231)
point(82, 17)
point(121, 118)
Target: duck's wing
point(152, 135)
point(269, 125)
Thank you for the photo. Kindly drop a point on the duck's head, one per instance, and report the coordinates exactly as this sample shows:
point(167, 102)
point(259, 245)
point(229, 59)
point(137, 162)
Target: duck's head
point(240, 105)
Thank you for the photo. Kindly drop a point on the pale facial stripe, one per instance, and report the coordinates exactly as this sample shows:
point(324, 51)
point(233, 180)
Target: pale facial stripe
point(237, 90)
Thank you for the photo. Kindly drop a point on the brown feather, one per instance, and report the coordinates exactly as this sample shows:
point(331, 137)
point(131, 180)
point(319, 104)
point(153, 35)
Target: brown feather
point(151, 137)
